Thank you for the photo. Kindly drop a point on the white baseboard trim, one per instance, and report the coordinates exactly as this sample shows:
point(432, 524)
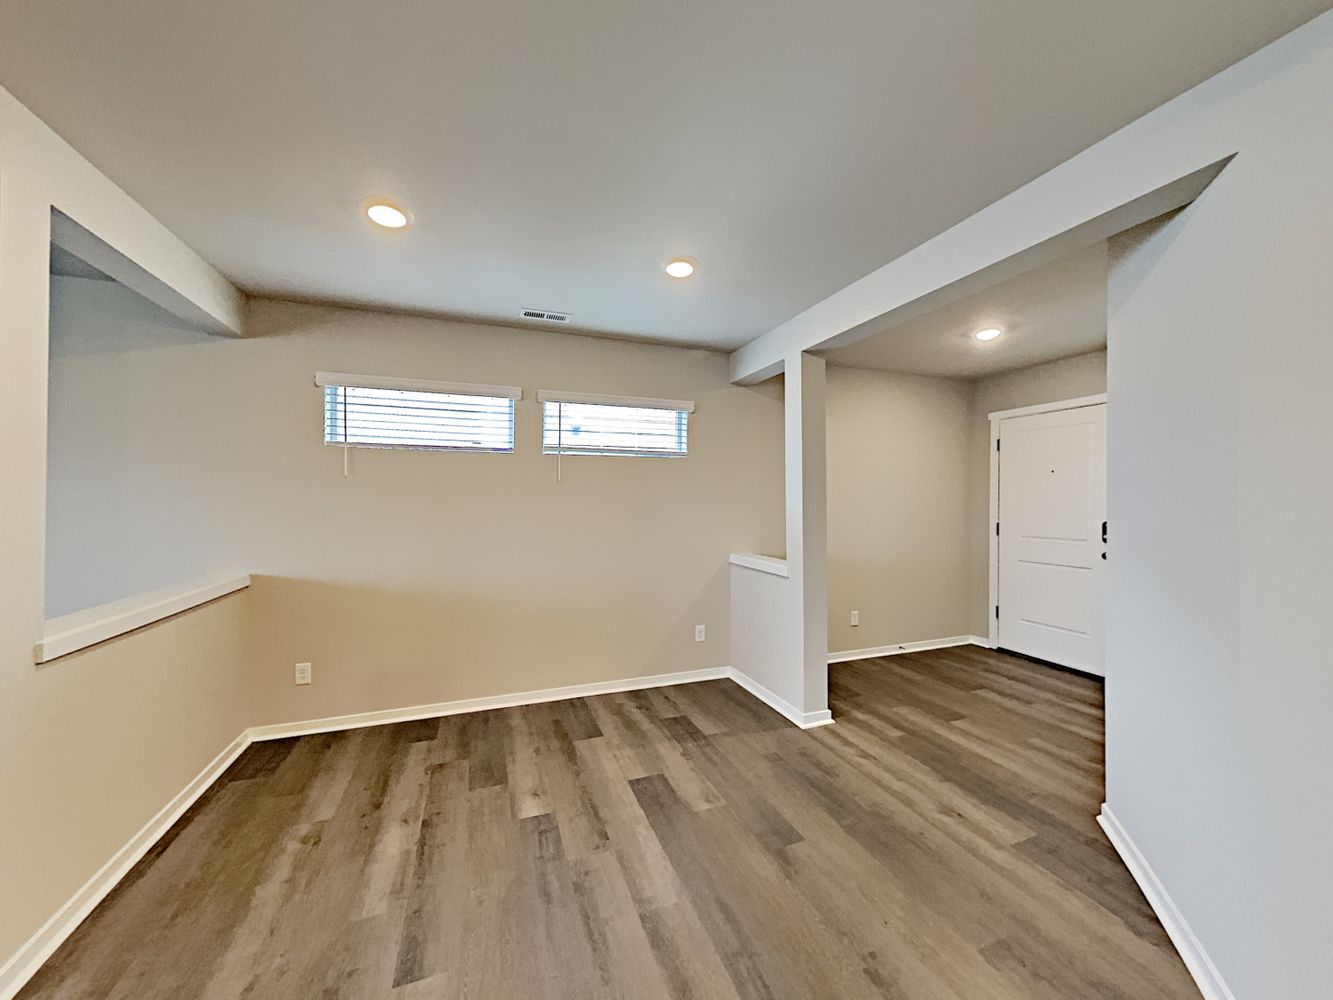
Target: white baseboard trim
point(1200, 966)
point(908, 647)
point(440, 709)
point(806, 720)
point(24, 963)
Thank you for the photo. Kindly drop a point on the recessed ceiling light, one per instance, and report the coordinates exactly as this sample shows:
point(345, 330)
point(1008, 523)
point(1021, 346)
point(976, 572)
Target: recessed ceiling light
point(680, 267)
point(990, 333)
point(387, 215)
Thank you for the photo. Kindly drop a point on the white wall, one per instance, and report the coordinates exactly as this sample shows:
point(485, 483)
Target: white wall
point(1220, 574)
point(1084, 375)
point(768, 638)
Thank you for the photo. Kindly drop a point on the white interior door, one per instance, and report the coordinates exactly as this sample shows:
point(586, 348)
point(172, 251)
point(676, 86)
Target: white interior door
point(1052, 515)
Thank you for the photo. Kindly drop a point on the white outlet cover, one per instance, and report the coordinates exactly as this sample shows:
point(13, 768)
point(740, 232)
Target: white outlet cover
point(303, 673)
point(700, 633)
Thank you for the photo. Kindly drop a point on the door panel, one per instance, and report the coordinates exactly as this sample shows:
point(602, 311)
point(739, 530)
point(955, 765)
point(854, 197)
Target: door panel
point(1055, 466)
point(1052, 505)
point(1058, 597)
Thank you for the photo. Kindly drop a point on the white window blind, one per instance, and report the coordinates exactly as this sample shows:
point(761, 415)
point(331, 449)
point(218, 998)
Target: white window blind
point(591, 425)
point(378, 412)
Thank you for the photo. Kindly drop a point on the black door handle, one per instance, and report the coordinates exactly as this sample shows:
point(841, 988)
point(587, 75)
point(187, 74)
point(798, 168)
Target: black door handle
point(1103, 532)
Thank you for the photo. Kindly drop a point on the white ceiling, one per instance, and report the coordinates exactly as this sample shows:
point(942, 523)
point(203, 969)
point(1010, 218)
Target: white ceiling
point(1051, 312)
point(555, 153)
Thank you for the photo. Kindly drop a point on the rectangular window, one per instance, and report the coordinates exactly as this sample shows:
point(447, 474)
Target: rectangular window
point(365, 411)
point(579, 424)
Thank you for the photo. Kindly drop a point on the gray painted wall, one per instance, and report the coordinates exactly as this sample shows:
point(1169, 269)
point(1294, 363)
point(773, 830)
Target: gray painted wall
point(1221, 558)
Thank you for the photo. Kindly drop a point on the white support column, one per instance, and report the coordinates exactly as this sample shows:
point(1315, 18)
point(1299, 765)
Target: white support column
point(807, 523)
point(779, 607)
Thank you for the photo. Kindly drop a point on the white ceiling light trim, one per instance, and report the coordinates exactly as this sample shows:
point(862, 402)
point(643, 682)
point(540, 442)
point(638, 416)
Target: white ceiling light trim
point(989, 333)
point(386, 214)
point(681, 267)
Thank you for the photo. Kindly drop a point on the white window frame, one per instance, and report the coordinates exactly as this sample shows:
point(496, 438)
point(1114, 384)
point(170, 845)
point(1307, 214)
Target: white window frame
point(325, 380)
point(545, 396)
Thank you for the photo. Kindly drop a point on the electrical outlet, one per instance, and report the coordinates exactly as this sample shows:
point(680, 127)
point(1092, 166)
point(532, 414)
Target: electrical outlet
point(303, 673)
point(856, 618)
point(700, 633)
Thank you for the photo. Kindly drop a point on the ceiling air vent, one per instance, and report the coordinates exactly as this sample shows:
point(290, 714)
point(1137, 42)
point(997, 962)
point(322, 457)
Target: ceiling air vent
point(545, 315)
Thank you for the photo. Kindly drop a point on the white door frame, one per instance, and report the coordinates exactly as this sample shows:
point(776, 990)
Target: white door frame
point(993, 530)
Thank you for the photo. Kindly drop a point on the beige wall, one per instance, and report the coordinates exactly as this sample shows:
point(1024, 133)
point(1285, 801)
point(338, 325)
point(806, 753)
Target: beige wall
point(423, 577)
point(114, 733)
point(448, 552)
point(898, 495)
point(1070, 378)
point(909, 487)
point(91, 747)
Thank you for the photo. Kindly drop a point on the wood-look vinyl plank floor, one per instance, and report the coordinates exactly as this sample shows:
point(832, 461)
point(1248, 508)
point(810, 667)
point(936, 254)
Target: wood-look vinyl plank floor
point(937, 843)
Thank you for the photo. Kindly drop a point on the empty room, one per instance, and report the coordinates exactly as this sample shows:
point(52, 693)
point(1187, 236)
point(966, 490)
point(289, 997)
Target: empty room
point(665, 500)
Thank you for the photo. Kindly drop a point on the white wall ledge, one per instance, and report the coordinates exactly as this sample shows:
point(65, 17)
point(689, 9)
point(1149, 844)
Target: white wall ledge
point(81, 629)
point(764, 564)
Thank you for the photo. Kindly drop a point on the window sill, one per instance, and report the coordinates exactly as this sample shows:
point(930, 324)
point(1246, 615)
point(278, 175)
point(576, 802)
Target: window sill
point(81, 629)
point(764, 564)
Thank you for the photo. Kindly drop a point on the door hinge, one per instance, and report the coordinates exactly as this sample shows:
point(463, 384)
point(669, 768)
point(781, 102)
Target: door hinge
point(997, 612)
point(997, 529)
point(997, 444)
